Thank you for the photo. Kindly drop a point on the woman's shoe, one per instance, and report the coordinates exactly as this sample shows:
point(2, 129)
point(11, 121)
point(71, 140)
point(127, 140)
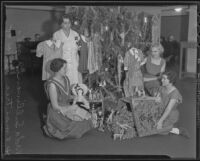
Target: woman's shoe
point(184, 133)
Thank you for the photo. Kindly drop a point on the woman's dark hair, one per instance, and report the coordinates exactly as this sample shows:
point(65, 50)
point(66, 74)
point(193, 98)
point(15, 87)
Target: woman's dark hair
point(57, 64)
point(67, 16)
point(171, 75)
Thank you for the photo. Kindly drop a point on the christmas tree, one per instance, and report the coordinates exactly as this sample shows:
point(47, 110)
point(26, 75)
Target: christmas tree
point(119, 30)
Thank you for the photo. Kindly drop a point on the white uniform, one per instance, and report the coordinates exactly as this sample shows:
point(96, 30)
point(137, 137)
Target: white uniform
point(70, 54)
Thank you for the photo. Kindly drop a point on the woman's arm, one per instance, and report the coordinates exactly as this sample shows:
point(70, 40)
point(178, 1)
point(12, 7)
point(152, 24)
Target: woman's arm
point(53, 98)
point(166, 113)
point(163, 67)
point(86, 103)
point(143, 62)
point(55, 36)
point(149, 79)
point(74, 100)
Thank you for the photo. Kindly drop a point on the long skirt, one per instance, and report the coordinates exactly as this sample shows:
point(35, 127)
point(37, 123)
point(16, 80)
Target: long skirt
point(61, 127)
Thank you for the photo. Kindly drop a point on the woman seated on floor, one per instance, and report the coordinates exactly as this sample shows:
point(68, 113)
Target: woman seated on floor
point(155, 65)
point(168, 97)
point(61, 122)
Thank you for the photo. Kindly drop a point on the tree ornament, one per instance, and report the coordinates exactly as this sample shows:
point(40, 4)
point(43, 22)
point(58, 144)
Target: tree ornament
point(129, 44)
point(122, 35)
point(75, 22)
point(145, 19)
point(106, 28)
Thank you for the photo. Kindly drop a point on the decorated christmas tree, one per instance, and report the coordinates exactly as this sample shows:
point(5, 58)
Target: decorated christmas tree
point(118, 30)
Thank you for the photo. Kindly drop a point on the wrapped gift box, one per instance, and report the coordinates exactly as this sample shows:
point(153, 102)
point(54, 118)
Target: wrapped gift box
point(146, 113)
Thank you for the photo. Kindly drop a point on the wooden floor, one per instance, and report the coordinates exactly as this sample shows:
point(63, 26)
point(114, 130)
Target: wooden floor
point(27, 137)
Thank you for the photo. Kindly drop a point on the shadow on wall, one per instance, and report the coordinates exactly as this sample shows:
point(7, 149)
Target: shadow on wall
point(53, 24)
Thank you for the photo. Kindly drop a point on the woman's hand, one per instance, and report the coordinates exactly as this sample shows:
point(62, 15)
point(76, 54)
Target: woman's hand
point(159, 125)
point(143, 62)
point(87, 106)
point(75, 100)
point(64, 110)
point(158, 99)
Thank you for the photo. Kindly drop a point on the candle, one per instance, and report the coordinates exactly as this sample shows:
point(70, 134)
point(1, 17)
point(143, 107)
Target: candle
point(145, 19)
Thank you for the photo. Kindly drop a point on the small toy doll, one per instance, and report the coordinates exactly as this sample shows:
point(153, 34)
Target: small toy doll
point(100, 120)
point(133, 61)
point(140, 92)
point(79, 90)
point(80, 104)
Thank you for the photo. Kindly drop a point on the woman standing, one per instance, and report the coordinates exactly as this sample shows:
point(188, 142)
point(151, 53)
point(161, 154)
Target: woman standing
point(155, 65)
point(70, 49)
point(58, 124)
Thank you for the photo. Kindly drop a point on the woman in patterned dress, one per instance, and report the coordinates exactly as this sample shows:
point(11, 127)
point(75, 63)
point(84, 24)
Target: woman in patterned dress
point(61, 123)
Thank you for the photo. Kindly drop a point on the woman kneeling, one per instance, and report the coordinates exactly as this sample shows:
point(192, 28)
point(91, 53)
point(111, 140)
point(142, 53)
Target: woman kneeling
point(58, 123)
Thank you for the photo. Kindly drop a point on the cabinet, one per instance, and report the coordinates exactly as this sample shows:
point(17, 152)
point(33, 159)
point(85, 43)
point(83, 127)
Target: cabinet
point(26, 51)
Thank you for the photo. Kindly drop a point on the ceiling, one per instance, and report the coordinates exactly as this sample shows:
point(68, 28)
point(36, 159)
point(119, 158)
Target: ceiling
point(165, 10)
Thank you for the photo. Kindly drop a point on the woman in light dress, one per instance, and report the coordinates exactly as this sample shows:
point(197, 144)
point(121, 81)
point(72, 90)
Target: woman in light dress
point(70, 49)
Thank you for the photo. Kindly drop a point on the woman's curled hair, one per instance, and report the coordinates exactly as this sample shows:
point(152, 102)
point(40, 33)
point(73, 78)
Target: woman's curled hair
point(57, 64)
point(171, 75)
point(159, 47)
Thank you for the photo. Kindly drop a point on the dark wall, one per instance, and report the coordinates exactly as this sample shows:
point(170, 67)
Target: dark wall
point(27, 22)
point(175, 25)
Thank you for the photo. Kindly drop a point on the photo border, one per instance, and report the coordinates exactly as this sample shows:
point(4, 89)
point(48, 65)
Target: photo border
point(105, 157)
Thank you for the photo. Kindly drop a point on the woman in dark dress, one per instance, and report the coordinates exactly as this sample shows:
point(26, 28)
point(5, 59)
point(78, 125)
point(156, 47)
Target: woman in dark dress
point(170, 97)
point(155, 65)
point(58, 124)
